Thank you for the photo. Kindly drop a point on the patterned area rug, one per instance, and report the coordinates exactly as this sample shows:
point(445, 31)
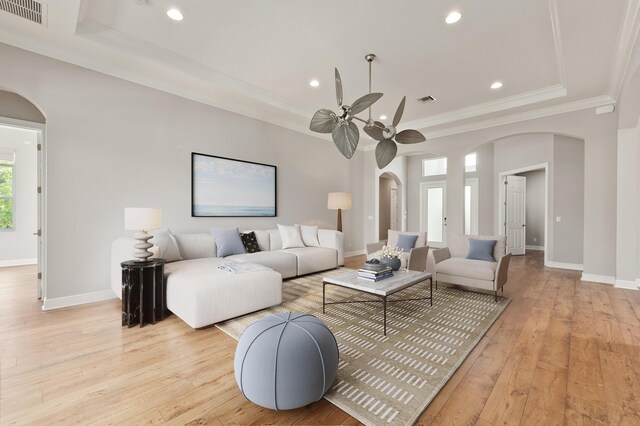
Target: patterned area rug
point(390, 379)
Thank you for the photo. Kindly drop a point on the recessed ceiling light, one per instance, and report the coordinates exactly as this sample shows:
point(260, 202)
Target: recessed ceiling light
point(175, 14)
point(453, 17)
point(383, 117)
point(314, 83)
point(496, 85)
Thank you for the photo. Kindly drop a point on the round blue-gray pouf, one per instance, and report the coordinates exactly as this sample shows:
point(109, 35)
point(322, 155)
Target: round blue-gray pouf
point(286, 360)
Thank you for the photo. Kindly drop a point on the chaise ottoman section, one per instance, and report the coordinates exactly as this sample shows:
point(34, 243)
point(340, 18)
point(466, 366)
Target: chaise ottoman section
point(285, 263)
point(201, 295)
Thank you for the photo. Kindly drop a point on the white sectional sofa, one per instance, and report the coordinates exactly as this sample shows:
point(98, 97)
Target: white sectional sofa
point(201, 295)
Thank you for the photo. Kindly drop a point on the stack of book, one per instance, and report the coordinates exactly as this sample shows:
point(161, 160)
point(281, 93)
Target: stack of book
point(378, 275)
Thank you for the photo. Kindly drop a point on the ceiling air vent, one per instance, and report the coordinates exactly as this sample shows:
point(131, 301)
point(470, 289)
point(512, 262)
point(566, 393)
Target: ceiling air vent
point(424, 100)
point(32, 10)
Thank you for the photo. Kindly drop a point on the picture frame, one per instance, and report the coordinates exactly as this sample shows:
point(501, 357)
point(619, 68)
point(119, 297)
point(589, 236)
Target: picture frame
point(229, 187)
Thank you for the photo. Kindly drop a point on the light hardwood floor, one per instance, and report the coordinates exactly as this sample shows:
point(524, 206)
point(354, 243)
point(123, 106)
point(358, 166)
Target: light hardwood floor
point(563, 352)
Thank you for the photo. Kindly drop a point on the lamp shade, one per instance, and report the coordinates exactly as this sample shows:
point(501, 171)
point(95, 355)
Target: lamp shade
point(339, 200)
point(138, 219)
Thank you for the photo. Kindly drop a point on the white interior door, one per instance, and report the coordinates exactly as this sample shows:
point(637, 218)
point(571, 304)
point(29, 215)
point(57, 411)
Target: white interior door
point(433, 214)
point(515, 211)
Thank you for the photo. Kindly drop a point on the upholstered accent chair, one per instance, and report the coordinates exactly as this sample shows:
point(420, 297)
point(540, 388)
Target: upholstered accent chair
point(453, 267)
point(415, 260)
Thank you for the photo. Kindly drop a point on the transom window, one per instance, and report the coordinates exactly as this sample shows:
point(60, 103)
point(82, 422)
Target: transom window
point(434, 166)
point(470, 162)
point(7, 189)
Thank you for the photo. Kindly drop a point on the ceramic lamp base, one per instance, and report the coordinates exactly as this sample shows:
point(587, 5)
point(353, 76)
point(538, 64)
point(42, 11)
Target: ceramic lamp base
point(142, 246)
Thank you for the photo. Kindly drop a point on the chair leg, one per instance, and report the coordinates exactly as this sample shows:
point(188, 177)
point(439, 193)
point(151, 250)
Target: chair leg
point(436, 285)
point(495, 294)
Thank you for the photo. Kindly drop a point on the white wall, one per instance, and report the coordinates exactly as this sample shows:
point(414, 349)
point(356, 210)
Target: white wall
point(113, 144)
point(19, 245)
point(627, 233)
point(535, 200)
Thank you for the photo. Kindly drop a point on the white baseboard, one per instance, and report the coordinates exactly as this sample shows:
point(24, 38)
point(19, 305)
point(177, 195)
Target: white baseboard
point(77, 299)
point(355, 253)
point(562, 265)
point(541, 248)
point(604, 279)
point(18, 262)
point(628, 284)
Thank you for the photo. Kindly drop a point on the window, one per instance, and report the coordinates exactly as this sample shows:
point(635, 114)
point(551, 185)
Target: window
point(6, 190)
point(471, 206)
point(470, 162)
point(434, 166)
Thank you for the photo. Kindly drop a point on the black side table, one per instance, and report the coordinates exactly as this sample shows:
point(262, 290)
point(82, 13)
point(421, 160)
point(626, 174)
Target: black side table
point(143, 292)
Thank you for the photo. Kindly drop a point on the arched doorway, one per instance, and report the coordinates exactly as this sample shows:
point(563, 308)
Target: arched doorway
point(531, 187)
point(22, 186)
point(390, 204)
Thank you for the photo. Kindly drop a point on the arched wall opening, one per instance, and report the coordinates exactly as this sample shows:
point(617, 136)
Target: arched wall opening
point(22, 168)
point(390, 204)
point(551, 168)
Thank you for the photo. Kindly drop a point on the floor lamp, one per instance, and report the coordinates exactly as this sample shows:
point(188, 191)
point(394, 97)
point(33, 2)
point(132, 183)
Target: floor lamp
point(339, 201)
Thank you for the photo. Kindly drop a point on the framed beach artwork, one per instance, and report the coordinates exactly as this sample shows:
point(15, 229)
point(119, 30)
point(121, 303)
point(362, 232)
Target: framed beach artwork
point(225, 187)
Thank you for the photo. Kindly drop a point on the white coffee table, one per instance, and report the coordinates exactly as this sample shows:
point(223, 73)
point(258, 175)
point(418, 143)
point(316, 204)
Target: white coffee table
point(401, 280)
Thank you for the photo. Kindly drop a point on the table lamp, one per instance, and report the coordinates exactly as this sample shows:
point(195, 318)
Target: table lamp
point(339, 201)
point(142, 220)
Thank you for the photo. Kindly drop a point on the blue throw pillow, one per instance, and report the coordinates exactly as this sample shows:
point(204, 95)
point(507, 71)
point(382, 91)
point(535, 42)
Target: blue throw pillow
point(407, 242)
point(481, 249)
point(228, 241)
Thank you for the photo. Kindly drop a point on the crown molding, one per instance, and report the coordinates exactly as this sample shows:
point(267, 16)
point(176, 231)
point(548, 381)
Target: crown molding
point(524, 116)
point(557, 41)
point(626, 42)
point(522, 99)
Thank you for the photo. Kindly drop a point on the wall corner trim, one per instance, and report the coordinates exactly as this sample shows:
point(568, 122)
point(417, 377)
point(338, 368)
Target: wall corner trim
point(594, 278)
point(77, 299)
point(561, 265)
point(629, 285)
point(17, 262)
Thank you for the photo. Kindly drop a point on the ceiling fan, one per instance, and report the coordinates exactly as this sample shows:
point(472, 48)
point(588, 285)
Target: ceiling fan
point(345, 133)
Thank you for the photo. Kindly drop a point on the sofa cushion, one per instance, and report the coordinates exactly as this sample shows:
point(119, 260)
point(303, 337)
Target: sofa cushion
point(314, 259)
point(407, 242)
point(250, 242)
point(309, 235)
point(459, 246)
point(481, 249)
point(392, 239)
point(228, 241)
point(280, 261)
point(167, 245)
point(201, 295)
point(477, 269)
point(290, 236)
point(275, 242)
point(196, 246)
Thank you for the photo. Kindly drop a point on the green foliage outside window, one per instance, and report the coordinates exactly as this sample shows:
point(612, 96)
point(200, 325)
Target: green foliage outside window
point(6, 196)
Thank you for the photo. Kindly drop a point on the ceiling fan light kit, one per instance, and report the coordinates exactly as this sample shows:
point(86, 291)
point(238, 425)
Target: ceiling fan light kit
point(345, 133)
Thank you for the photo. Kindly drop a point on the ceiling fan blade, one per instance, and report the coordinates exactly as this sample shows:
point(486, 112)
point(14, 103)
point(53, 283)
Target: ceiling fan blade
point(338, 88)
point(385, 152)
point(410, 136)
point(346, 136)
point(374, 131)
point(399, 111)
point(323, 121)
point(364, 102)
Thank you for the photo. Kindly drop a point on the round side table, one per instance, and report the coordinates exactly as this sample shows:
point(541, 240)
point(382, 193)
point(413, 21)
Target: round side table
point(143, 292)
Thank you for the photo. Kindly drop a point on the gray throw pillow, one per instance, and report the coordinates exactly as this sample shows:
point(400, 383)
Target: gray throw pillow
point(228, 241)
point(481, 250)
point(167, 245)
point(407, 242)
